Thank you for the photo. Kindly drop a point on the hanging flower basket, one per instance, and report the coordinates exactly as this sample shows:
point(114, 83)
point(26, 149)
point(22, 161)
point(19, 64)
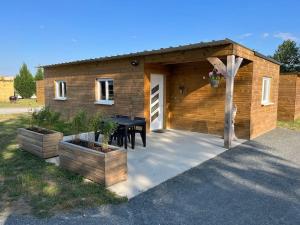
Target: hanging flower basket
point(215, 78)
point(214, 83)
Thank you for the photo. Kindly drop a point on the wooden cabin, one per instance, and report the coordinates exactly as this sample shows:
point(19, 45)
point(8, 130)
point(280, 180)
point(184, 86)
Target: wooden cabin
point(171, 88)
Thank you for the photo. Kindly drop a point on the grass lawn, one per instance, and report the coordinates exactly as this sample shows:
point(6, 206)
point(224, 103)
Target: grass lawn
point(40, 186)
point(20, 103)
point(293, 125)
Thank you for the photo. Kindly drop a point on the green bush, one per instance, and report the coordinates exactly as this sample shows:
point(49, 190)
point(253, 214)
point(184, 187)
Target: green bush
point(45, 118)
point(95, 123)
point(288, 53)
point(79, 123)
point(39, 74)
point(107, 127)
point(24, 82)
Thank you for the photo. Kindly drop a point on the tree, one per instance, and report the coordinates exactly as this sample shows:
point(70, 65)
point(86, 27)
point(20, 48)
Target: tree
point(24, 82)
point(39, 74)
point(289, 55)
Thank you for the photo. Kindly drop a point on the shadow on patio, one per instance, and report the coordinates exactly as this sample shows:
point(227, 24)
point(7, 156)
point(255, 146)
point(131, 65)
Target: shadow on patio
point(166, 155)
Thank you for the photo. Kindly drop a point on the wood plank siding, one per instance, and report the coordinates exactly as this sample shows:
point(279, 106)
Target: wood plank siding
point(40, 92)
point(289, 97)
point(200, 108)
point(6, 88)
point(80, 81)
point(297, 104)
point(262, 118)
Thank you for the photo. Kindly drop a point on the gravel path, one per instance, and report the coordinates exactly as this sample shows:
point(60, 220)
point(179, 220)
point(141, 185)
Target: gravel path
point(255, 183)
point(283, 142)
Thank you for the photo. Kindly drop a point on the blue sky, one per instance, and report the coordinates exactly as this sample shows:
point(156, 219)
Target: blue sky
point(46, 32)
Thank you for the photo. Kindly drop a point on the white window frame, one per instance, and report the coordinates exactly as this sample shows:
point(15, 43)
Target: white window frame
point(266, 97)
point(63, 96)
point(105, 101)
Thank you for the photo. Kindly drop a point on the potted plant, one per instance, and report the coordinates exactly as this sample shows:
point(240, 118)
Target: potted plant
point(95, 123)
point(215, 77)
point(79, 124)
point(107, 127)
point(38, 138)
point(99, 162)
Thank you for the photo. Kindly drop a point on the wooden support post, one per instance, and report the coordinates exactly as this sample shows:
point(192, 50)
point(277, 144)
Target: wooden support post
point(218, 64)
point(233, 65)
point(229, 72)
point(228, 131)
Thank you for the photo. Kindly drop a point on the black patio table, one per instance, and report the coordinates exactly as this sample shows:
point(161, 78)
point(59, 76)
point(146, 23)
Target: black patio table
point(128, 123)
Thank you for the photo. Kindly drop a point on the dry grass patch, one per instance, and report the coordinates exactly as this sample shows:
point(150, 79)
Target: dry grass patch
point(293, 125)
point(26, 103)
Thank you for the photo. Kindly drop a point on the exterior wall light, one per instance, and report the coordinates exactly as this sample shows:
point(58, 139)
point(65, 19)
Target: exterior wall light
point(181, 89)
point(134, 62)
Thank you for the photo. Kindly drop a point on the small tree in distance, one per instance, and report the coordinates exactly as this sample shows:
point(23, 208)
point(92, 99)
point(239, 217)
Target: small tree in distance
point(39, 74)
point(24, 83)
point(289, 55)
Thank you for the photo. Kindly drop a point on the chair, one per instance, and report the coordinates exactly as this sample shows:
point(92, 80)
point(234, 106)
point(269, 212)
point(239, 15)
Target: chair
point(119, 136)
point(141, 130)
point(129, 131)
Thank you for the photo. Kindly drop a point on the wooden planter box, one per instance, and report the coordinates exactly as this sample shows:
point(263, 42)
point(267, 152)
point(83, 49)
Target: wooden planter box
point(42, 145)
point(106, 168)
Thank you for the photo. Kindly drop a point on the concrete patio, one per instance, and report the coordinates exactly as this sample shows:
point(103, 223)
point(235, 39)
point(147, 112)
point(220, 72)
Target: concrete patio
point(166, 155)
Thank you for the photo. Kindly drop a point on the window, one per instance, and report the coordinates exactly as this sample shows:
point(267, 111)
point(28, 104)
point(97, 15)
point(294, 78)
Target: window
point(60, 90)
point(104, 91)
point(266, 91)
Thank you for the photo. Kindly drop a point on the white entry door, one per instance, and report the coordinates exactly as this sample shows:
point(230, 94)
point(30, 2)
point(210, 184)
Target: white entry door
point(157, 102)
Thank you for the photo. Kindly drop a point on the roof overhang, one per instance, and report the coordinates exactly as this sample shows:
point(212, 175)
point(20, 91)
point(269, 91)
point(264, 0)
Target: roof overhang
point(161, 51)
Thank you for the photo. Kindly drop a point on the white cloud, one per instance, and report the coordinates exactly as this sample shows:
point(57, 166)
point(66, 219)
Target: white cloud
point(285, 36)
point(74, 40)
point(242, 36)
point(265, 35)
